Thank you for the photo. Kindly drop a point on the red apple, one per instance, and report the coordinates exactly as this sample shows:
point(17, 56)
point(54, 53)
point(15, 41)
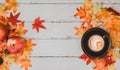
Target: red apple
point(15, 44)
point(3, 32)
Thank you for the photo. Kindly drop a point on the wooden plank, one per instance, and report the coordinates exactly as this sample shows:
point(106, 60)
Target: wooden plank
point(19, 1)
point(51, 12)
point(72, 1)
point(56, 64)
point(57, 48)
point(53, 31)
point(59, 64)
point(62, 1)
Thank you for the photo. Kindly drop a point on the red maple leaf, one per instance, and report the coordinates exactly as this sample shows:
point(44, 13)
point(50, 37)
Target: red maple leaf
point(38, 24)
point(13, 18)
point(108, 60)
point(85, 58)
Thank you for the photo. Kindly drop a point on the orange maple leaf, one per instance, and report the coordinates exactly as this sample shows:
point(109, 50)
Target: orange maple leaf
point(20, 29)
point(100, 64)
point(25, 63)
point(12, 5)
point(79, 31)
point(29, 45)
point(80, 12)
point(83, 28)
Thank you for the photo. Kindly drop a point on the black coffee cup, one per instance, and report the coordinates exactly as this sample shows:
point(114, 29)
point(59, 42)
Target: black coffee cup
point(100, 38)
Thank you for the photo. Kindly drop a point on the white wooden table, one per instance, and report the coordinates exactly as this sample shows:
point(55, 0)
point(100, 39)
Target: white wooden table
point(57, 47)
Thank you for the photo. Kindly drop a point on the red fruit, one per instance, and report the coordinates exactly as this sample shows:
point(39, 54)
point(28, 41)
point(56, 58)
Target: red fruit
point(15, 44)
point(3, 32)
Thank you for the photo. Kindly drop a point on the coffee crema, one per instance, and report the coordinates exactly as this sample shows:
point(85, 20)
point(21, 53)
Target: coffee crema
point(96, 43)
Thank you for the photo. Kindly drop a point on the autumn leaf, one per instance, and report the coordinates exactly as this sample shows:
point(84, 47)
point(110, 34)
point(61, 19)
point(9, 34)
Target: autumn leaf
point(114, 11)
point(109, 60)
point(11, 5)
point(86, 58)
point(25, 63)
point(3, 45)
point(80, 12)
point(38, 24)
point(3, 20)
point(29, 45)
point(14, 18)
point(2, 9)
point(111, 67)
point(79, 31)
point(100, 64)
point(87, 2)
point(87, 19)
point(97, 8)
point(20, 29)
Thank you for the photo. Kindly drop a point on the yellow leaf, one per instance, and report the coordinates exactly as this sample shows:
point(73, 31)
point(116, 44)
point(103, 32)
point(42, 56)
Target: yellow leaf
point(2, 9)
point(97, 8)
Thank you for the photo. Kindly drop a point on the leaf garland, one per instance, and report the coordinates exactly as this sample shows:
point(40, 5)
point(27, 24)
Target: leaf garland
point(94, 15)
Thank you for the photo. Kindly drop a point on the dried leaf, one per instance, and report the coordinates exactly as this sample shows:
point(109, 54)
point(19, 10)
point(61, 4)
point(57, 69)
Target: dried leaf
point(86, 58)
point(11, 5)
point(20, 29)
point(80, 12)
point(13, 19)
point(25, 63)
point(2, 9)
point(38, 24)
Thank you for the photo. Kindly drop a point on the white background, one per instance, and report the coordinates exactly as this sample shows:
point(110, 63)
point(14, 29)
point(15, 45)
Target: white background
point(57, 47)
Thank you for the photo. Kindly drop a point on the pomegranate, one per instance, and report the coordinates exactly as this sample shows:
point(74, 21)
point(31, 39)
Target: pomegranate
point(15, 44)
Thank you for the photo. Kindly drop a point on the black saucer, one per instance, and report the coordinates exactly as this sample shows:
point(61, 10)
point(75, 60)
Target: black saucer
point(86, 37)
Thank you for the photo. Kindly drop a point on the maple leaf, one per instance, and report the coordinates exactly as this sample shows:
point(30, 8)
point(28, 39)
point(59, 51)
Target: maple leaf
point(87, 19)
point(38, 24)
point(11, 5)
point(25, 63)
point(29, 45)
point(79, 31)
point(100, 64)
point(80, 12)
point(3, 45)
point(84, 27)
point(86, 58)
point(3, 20)
point(2, 9)
point(13, 18)
point(87, 2)
point(108, 60)
point(20, 29)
